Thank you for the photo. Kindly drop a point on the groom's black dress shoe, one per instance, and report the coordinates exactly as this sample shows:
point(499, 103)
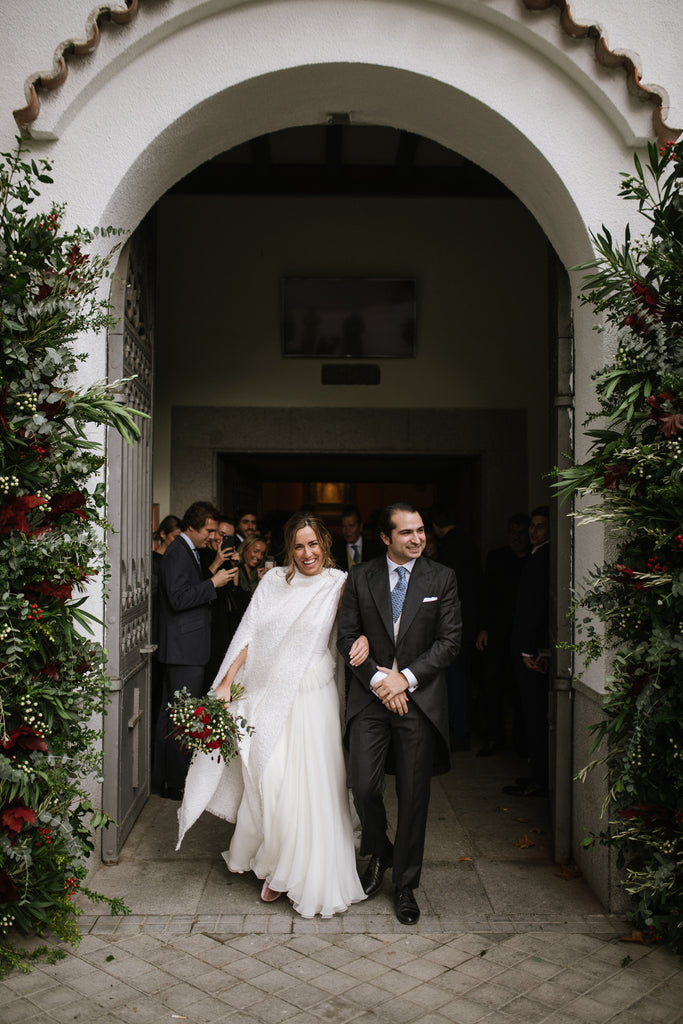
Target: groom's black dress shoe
point(371, 879)
point(171, 793)
point(405, 904)
point(526, 788)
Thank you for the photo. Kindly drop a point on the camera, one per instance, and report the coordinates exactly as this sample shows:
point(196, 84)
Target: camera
point(228, 544)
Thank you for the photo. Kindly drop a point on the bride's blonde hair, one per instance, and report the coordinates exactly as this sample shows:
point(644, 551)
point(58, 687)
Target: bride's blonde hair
point(297, 522)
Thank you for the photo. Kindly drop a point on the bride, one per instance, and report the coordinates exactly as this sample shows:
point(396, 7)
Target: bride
point(286, 792)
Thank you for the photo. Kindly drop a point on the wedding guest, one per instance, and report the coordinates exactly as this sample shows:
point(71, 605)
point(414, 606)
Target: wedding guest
point(502, 574)
point(165, 534)
point(354, 548)
point(230, 603)
point(458, 552)
point(252, 554)
point(530, 651)
point(246, 524)
point(185, 598)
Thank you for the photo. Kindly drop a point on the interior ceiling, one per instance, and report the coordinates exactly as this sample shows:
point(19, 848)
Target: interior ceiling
point(340, 159)
point(351, 468)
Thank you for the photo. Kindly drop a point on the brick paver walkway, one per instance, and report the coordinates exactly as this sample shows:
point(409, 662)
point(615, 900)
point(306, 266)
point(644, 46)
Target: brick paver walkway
point(505, 936)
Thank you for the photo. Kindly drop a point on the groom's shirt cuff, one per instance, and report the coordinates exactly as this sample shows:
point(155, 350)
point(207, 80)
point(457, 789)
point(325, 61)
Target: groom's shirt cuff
point(412, 681)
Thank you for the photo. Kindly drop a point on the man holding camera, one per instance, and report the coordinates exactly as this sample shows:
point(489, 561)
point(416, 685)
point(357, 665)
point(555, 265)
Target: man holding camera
point(226, 611)
point(185, 599)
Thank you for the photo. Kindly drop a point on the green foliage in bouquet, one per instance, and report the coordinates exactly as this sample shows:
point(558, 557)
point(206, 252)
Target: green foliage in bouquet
point(207, 724)
point(635, 470)
point(52, 682)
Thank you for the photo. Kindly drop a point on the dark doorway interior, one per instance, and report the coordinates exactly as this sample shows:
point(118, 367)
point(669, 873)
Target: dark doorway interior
point(288, 482)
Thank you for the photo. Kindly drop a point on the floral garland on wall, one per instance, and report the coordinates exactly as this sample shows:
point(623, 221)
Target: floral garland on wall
point(636, 469)
point(52, 683)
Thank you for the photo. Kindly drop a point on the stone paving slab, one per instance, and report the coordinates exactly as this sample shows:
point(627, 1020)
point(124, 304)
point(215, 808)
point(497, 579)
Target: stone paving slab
point(535, 977)
point(504, 937)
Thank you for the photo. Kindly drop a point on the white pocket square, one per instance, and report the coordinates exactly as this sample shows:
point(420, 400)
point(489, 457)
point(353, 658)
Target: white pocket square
point(425, 599)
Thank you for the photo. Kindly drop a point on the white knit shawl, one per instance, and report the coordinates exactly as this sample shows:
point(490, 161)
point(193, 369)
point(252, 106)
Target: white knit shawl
point(284, 627)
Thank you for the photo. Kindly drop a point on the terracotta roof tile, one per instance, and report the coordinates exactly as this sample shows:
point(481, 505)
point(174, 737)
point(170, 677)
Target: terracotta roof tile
point(120, 14)
point(611, 59)
point(126, 10)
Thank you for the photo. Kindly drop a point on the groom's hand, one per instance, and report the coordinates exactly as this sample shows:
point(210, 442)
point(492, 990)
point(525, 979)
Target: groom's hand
point(391, 690)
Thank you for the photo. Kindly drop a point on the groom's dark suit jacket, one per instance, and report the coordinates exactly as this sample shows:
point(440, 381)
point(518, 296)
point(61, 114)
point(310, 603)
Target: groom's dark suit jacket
point(427, 643)
point(184, 607)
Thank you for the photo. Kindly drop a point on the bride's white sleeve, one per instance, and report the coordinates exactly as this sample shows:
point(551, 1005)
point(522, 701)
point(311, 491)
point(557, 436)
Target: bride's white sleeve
point(244, 632)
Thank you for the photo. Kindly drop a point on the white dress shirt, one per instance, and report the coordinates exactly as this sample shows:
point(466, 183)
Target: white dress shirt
point(393, 580)
point(193, 548)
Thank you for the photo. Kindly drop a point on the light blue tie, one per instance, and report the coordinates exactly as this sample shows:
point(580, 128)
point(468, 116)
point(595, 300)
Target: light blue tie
point(356, 554)
point(399, 592)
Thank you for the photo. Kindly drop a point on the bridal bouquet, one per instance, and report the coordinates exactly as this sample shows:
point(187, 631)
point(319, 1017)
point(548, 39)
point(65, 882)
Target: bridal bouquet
point(207, 724)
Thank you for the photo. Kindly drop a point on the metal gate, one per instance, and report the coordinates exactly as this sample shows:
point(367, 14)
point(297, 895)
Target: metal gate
point(129, 511)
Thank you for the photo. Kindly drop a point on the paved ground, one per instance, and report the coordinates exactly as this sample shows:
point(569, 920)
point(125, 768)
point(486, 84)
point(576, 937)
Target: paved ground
point(505, 936)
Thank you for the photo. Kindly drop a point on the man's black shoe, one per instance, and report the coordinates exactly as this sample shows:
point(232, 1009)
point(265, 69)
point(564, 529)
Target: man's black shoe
point(459, 742)
point(171, 793)
point(371, 879)
point(530, 789)
point(490, 747)
point(405, 905)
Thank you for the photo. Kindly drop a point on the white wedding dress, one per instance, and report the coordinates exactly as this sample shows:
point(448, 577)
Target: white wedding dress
point(286, 792)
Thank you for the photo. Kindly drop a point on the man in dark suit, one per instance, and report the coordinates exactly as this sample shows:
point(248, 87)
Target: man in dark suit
point(459, 552)
point(408, 608)
point(497, 684)
point(354, 548)
point(185, 597)
point(531, 655)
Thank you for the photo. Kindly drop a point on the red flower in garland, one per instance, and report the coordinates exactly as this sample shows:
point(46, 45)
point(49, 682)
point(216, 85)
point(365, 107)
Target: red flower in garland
point(60, 591)
point(13, 515)
point(71, 502)
point(25, 738)
point(639, 681)
point(8, 890)
point(648, 301)
point(4, 391)
point(76, 258)
point(656, 401)
point(625, 574)
point(652, 816)
point(51, 409)
point(51, 669)
point(644, 296)
point(14, 818)
point(613, 475)
point(670, 421)
point(671, 424)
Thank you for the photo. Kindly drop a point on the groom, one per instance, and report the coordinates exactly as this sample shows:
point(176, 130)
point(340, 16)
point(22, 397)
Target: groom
point(397, 706)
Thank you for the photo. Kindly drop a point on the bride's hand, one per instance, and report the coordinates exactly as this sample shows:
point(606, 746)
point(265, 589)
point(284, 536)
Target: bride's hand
point(359, 651)
point(224, 687)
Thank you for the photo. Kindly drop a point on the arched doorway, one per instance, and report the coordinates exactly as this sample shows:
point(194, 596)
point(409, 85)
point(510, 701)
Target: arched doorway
point(485, 450)
point(206, 87)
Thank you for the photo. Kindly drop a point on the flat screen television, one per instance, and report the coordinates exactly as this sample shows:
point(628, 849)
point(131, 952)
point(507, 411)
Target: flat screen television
point(348, 317)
